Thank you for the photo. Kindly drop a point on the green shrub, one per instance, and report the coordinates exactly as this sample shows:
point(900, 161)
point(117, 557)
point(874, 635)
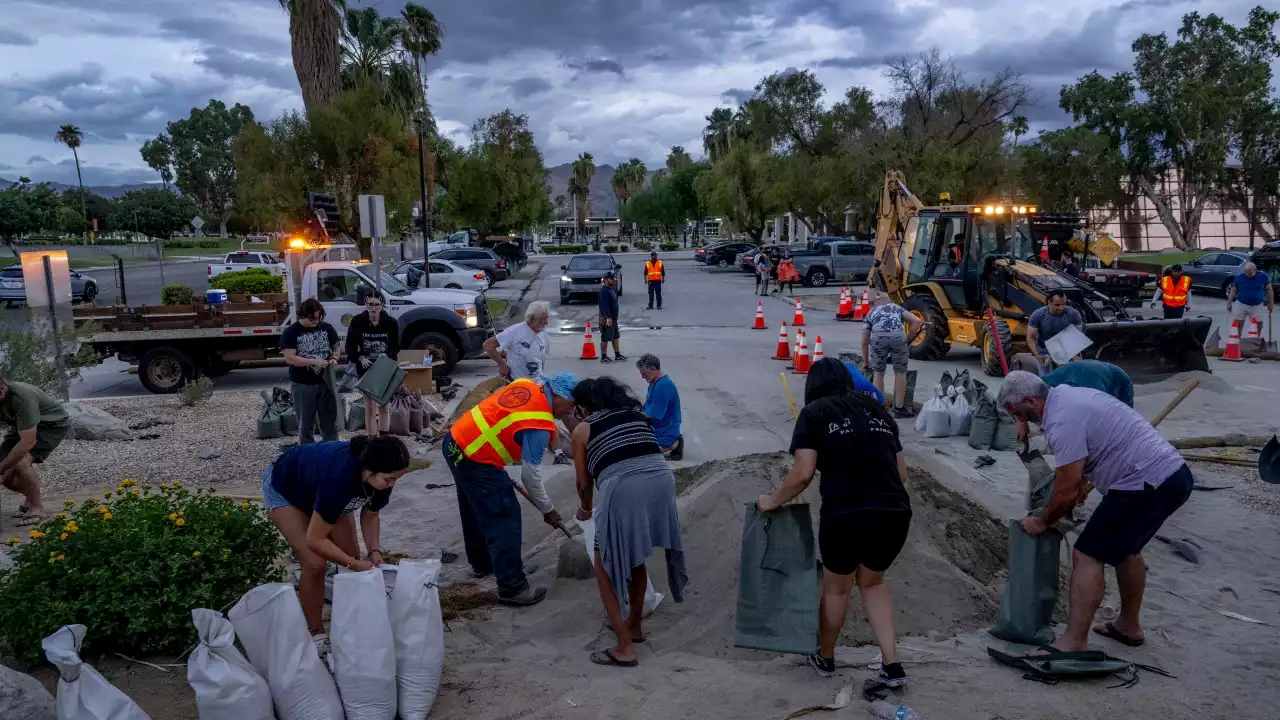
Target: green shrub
point(179, 244)
point(563, 249)
point(132, 567)
point(251, 281)
point(176, 295)
point(643, 244)
point(611, 248)
point(669, 246)
point(625, 248)
point(209, 243)
point(195, 392)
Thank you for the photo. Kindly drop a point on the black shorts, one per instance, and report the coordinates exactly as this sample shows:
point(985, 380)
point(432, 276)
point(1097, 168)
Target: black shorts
point(1174, 313)
point(608, 332)
point(867, 538)
point(47, 438)
point(1126, 521)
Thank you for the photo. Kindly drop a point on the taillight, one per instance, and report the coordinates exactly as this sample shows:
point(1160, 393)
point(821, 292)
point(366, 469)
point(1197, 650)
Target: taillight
point(210, 271)
point(502, 263)
point(478, 276)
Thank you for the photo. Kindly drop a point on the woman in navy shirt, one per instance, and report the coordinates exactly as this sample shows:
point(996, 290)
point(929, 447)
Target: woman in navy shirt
point(311, 493)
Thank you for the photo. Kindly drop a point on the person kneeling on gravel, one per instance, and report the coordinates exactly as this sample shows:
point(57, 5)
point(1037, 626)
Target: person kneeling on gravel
point(311, 493)
point(865, 512)
point(39, 425)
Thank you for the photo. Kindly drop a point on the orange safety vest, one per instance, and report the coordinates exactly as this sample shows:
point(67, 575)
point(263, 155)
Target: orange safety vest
point(1175, 295)
point(487, 434)
point(653, 270)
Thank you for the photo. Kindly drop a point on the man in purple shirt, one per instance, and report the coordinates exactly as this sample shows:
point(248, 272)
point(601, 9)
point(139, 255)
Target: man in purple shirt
point(1142, 478)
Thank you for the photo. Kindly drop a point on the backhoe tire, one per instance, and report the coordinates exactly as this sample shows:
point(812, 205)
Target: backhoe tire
point(932, 343)
point(990, 357)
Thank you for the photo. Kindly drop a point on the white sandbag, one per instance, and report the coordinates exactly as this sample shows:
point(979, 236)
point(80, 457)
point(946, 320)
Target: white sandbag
point(936, 414)
point(419, 637)
point(269, 623)
point(364, 652)
point(960, 414)
point(226, 685)
point(83, 694)
point(652, 598)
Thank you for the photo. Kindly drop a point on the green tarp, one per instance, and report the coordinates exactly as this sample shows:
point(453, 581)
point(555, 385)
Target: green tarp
point(777, 581)
point(381, 380)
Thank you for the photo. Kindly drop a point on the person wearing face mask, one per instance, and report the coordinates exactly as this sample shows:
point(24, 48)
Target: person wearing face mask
point(371, 334)
point(312, 493)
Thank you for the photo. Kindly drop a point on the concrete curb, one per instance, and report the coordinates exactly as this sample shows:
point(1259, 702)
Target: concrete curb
point(149, 263)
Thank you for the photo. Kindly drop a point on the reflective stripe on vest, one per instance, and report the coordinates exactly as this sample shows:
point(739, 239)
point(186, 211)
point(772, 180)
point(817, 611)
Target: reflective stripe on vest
point(1175, 296)
point(652, 270)
point(487, 433)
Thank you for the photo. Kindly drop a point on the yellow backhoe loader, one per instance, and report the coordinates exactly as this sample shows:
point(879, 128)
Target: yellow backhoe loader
point(957, 268)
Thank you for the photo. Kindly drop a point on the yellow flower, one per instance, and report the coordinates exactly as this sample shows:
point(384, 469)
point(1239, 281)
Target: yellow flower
point(35, 534)
point(120, 490)
point(61, 516)
point(133, 492)
point(68, 504)
point(176, 483)
point(164, 485)
point(72, 527)
point(106, 493)
point(107, 516)
point(173, 516)
point(179, 522)
point(63, 536)
point(224, 513)
point(195, 554)
point(61, 557)
point(100, 509)
point(245, 505)
point(128, 483)
point(12, 541)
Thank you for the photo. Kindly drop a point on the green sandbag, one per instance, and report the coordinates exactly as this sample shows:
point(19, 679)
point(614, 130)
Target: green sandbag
point(355, 415)
point(777, 581)
point(269, 425)
point(1031, 592)
point(381, 380)
point(983, 422)
point(1006, 437)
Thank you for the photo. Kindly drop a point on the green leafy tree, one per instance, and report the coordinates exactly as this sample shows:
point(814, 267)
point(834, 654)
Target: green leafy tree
point(73, 137)
point(498, 183)
point(154, 212)
point(718, 133)
point(739, 187)
point(156, 155)
point(1072, 169)
point(197, 152)
point(99, 208)
point(678, 158)
point(1182, 111)
point(421, 38)
point(25, 209)
point(372, 54)
point(670, 202)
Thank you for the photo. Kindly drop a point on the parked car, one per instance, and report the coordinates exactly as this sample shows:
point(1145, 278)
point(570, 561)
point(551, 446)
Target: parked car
point(444, 274)
point(14, 291)
point(1213, 272)
point(701, 253)
point(1267, 258)
point(844, 260)
point(748, 260)
point(584, 273)
point(479, 258)
point(245, 259)
point(726, 254)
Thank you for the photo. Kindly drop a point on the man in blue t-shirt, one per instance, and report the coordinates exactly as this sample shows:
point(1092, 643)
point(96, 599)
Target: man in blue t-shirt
point(1252, 289)
point(662, 405)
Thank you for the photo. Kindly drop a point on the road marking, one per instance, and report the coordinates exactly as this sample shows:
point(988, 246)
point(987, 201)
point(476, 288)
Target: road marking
point(1255, 387)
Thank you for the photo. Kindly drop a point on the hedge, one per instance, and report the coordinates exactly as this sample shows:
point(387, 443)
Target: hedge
point(176, 295)
point(251, 281)
point(563, 249)
point(669, 246)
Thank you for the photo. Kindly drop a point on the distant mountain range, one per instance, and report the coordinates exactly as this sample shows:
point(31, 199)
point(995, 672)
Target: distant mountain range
point(106, 191)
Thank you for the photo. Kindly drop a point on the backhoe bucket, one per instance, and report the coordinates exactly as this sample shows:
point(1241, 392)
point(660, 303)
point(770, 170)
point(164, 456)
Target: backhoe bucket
point(1150, 350)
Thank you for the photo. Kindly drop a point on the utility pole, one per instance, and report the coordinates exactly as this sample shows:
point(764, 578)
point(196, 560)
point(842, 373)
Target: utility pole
point(425, 212)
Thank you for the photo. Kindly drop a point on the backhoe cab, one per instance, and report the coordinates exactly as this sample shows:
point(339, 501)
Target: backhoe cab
point(973, 274)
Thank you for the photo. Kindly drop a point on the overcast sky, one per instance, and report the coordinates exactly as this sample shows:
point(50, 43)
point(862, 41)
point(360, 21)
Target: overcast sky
point(617, 78)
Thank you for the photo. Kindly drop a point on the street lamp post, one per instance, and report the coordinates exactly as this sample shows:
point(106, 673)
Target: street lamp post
point(426, 202)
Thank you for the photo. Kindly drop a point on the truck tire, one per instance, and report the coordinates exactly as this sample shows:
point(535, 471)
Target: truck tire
point(932, 343)
point(817, 278)
point(164, 370)
point(990, 357)
point(443, 351)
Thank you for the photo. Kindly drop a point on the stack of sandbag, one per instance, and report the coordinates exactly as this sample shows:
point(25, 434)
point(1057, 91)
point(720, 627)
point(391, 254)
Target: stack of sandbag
point(83, 694)
point(277, 418)
point(991, 428)
point(934, 420)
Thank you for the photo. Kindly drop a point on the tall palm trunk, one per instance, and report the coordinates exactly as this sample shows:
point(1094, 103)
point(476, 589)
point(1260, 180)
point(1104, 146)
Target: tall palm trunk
point(314, 27)
point(84, 208)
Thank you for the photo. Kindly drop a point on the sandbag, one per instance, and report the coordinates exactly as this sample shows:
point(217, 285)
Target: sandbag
point(226, 685)
point(22, 696)
point(777, 605)
point(960, 414)
point(1006, 437)
point(382, 379)
point(418, 628)
point(652, 598)
point(269, 623)
point(83, 694)
point(364, 652)
point(976, 390)
point(417, 418)
point(1031, 591)
point(935, 418)
point(347, 382)
point(398, 412)
point(355, 415)
point(982, 423)
point(269, 425)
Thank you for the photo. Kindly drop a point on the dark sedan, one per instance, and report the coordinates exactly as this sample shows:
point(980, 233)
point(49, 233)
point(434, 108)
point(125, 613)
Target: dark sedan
point(726, 254)
point(1214, 271)
point(479, 258)
point(584, 273)
point(701, 253)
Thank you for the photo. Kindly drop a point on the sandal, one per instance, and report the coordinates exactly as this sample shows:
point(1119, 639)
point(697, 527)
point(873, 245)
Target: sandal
point(607, 658)
point(29, 520)
point(1109, 631)
point(23, 511)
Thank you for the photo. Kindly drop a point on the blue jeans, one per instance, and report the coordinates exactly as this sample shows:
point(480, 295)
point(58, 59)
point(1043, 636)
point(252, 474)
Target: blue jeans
point(490, 513)
point(655, 292)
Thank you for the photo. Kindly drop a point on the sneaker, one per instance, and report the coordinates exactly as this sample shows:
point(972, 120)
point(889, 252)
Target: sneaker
point(677, 452)
point(620, 357)
point(903, 412)
point(562, 458)
point(530, 596)
point(605, 359)
point(893, 676)
point(825, 667)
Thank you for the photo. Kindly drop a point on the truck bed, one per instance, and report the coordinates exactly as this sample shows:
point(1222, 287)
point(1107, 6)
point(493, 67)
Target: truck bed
point(238, 316)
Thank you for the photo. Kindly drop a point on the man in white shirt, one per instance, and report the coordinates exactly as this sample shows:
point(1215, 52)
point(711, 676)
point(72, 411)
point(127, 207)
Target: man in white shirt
point(522, 349)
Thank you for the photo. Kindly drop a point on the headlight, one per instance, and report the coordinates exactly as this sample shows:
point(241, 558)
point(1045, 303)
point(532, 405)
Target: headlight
point(468, 314)
point(565, 278)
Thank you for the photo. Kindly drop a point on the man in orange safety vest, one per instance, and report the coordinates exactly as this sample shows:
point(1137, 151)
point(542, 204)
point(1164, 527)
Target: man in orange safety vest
point(655, 273)
point(1175, 291)
point(513, 425)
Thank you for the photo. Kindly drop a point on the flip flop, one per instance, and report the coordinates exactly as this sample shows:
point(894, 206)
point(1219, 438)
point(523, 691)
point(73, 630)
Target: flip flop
point(1109, 631)
point(29, 520)
point(607, 658)
point(23, 511)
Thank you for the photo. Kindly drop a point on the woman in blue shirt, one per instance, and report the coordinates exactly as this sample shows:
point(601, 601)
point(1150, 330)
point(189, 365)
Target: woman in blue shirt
point(311, 493)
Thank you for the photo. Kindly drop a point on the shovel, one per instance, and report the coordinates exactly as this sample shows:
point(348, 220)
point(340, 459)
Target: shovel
point(1271, 342)
point(563, 528)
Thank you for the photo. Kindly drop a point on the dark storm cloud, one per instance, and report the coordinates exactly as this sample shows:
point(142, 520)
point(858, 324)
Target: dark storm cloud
point(528, 87)
point(737, 96)
point(220, 32)
point(852, 62)
point(64, 171)
point(596, 66)
point(37, 160)
point(13, 37)
point(274, 72)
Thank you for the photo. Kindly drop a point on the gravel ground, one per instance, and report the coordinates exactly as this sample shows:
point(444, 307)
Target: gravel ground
point(225, 423)
point(1248, 487)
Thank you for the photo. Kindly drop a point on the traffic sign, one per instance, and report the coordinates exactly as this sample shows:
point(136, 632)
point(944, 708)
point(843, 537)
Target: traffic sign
point(373, 216)
point(197, 223)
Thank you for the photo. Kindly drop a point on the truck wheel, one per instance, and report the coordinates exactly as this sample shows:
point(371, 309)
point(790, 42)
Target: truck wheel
point(990, 356)
point(932, 344)
point(444, 353)
point(817, 278)
point(164, 370)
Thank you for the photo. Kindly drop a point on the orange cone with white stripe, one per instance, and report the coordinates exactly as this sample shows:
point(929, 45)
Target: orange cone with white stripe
point(1044, 249)
point(845, 311)
point(588, 345)
point(817, 349)
point(784, 346)
point(1253, 333)
point(759, 316)
point(863, 308)
point(798, 321)
point(1232, 352)
point(803, 362)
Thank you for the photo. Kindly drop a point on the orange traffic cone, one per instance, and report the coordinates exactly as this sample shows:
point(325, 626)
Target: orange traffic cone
point(1232, 352)
point(1044, 249)
point(802, 358)
point(845, 312)
point(588, 345)
point(784, 346)
point(1253, 333)
point(863, 307)
point(759, 316)
point(817, 349)
point(798, 321)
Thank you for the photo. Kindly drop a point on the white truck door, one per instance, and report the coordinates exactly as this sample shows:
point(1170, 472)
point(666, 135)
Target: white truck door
point(341, 292)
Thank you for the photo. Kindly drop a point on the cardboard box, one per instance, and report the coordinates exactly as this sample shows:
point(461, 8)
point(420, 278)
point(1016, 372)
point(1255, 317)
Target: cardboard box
point(418, 371)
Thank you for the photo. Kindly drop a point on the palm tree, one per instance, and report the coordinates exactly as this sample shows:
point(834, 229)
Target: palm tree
point(1019, 128)
point(620, 185)
point(420, 37)
point(315, 31)
point(72, 137)
point(715, 138)
point(584, 168)
point(560, 202)
point(371, 52)
point(636, 174)
point(678, 158)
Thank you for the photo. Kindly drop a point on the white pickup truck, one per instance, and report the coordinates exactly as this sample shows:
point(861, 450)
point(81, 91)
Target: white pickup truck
point(245, 259)
point(452, 325)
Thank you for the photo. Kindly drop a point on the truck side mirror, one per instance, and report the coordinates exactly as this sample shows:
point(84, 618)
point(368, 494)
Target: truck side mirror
point(564, 267)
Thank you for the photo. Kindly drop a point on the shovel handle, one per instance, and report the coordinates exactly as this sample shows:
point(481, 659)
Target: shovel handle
point(563, 528)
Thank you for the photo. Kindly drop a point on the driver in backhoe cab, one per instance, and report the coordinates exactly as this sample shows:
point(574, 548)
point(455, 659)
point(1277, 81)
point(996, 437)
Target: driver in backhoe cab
point(1048, 321)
